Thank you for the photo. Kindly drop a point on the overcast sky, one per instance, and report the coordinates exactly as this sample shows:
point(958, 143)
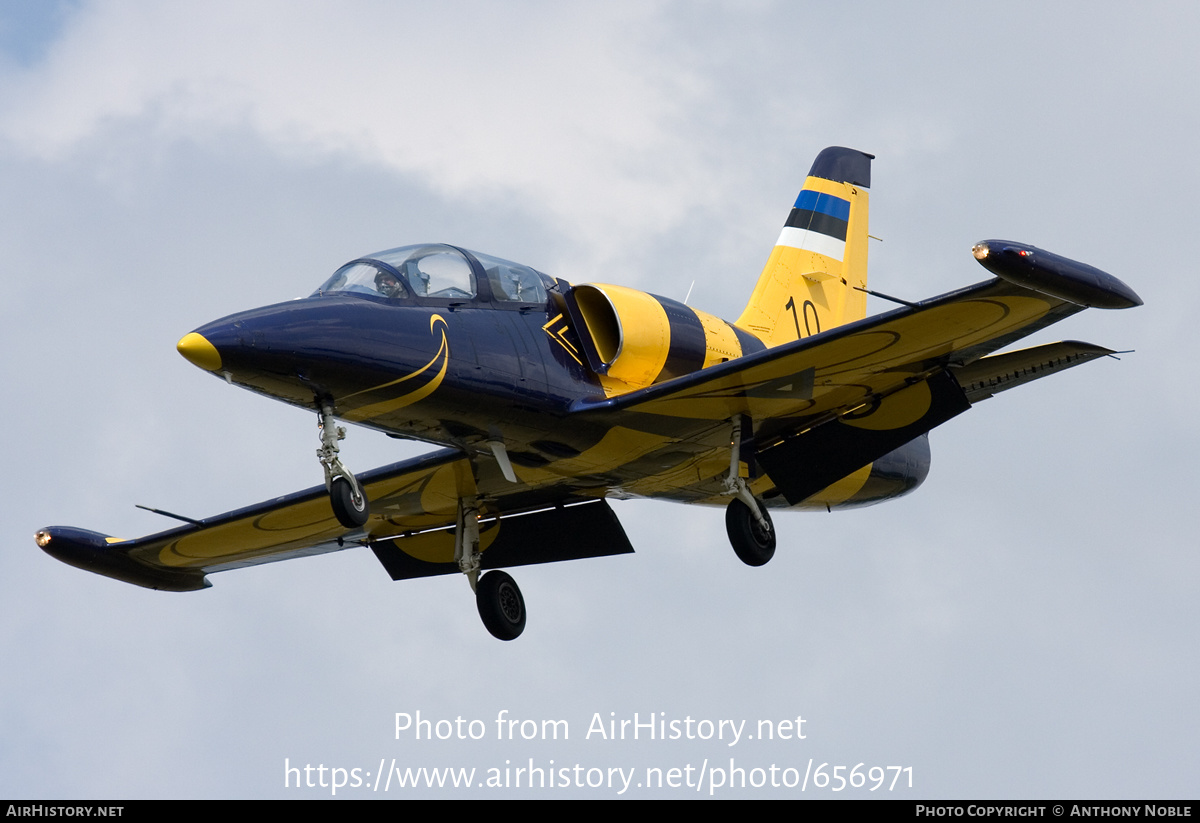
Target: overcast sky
point(1022, 626)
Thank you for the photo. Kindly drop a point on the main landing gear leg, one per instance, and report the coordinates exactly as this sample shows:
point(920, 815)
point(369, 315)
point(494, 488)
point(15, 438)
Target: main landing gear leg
point(347, 497)
point(499, 601)
point(746, 519)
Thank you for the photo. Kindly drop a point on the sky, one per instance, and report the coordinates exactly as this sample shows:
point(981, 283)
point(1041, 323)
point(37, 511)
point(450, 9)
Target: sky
point(1023, 626)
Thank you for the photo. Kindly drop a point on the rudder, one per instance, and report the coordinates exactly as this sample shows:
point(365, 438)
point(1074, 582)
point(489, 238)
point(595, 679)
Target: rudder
point(814, 276)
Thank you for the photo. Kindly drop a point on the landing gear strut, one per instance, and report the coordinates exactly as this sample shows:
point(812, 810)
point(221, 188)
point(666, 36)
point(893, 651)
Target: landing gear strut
point(746, 520)
point(497, 597)
point(347, 497)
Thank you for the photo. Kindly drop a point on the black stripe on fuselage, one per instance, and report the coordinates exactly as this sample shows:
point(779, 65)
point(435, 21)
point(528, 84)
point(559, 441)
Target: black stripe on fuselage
point(749, 343)
point(688, 343)
point(816, 221)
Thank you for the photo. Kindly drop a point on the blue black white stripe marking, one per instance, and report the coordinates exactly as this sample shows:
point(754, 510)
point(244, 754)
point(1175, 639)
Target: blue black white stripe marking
point(818, 222)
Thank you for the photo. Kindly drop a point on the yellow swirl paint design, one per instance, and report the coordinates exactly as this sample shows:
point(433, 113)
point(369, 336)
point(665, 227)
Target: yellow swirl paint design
point(439, 361)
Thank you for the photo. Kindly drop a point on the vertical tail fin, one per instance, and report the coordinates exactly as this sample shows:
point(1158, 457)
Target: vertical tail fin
point(811, 281)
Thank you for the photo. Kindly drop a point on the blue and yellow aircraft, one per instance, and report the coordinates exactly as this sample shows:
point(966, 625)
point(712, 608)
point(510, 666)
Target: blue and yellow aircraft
point(550, 398)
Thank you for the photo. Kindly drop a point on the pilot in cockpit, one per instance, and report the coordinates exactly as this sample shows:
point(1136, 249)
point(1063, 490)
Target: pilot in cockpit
point(388, 285)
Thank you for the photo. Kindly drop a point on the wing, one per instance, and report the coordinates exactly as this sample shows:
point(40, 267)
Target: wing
point(413, 511)
point(840, 368)
point(825, 406)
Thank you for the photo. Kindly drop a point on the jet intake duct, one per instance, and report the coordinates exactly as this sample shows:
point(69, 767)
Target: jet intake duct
point(640, 339)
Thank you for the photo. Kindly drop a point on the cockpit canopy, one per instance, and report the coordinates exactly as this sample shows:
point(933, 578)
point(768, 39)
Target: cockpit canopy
point(438, 273)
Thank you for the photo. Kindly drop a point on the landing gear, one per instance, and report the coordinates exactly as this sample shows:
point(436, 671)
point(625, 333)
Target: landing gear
point(500, 605)
point(346, 496)
point(746, 520)
point(753, 542)
point(349, 510)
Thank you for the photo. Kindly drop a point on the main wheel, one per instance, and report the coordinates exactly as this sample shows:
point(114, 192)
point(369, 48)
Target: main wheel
point(500, 605)
point(753, 544)
point(349, 513)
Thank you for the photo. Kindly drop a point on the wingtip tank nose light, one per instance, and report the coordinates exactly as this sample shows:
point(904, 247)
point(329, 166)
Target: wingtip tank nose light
point(199, 352)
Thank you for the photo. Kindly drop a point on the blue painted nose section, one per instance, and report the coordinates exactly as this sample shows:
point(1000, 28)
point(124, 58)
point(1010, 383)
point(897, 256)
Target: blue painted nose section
point(325, 347)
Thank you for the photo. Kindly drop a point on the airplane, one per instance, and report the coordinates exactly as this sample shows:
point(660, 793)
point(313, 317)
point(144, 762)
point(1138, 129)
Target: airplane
point(549, 398)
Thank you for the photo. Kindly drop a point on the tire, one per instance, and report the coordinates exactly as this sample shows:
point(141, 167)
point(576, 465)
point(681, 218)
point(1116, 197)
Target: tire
point(753, 545)
point(341, 497)
point(501, 606)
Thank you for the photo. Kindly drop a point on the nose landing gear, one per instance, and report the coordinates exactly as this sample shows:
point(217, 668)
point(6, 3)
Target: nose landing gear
point(346, 496)
point(349, 507)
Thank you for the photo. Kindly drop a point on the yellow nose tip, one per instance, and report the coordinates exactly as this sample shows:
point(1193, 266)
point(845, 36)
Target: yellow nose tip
point(199, 352)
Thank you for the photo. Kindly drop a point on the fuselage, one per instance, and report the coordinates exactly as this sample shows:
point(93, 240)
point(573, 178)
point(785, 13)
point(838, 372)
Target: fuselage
point(451, 347)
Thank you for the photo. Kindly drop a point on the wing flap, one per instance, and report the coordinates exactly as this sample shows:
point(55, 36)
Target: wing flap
point(548, 536)
point(802, 465)
point(999, 372)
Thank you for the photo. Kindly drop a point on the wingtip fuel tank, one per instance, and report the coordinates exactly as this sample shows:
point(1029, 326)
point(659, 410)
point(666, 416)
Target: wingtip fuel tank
point(1055, 275)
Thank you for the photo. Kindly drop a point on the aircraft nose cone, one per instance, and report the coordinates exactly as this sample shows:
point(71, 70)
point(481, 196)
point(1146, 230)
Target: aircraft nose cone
point(980, 250)
point(199, 352)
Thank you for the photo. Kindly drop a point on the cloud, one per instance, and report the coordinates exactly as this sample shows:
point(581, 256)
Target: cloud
point(554, 105)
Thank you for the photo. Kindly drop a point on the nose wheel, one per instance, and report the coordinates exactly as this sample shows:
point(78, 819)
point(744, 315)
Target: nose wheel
point(350, 508)
point(346, 495)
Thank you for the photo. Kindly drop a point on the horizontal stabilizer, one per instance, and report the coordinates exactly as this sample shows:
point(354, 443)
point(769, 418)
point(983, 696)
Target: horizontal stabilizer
point(999, 372)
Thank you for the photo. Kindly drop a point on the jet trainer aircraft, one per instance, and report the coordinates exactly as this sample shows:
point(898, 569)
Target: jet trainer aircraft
point(550, 398)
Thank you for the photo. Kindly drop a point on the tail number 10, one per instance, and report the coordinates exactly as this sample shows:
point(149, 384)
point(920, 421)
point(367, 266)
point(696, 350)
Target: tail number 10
point(812, 325)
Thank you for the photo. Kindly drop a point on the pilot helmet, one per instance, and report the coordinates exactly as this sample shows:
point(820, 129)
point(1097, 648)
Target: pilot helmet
point(388, 284)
